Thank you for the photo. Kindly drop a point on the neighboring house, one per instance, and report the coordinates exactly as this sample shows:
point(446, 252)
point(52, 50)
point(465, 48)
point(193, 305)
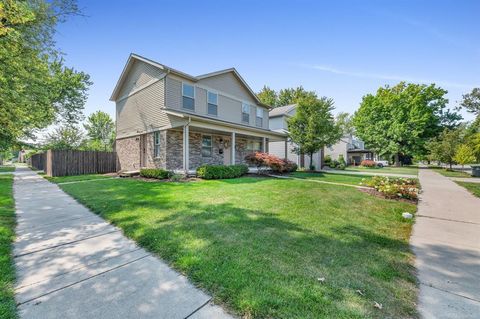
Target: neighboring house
point(168, 119)
point(352, 149)
point(284, 149)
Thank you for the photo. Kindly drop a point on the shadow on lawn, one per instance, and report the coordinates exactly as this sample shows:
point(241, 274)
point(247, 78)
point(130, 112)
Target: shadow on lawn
point(261, 264)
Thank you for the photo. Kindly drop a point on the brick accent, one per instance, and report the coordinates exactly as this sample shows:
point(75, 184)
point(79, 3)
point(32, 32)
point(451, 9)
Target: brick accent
point(171, 150)
point(128, 152)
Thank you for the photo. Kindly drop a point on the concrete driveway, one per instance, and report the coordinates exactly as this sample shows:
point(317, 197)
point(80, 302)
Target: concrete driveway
point(446, 242)
point(70, 263)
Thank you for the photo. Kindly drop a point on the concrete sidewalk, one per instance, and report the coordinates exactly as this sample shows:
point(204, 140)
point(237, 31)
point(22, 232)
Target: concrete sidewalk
point(446, 242)
point(70, 263)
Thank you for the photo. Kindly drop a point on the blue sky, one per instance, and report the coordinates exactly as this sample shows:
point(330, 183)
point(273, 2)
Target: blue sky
point(340, 49)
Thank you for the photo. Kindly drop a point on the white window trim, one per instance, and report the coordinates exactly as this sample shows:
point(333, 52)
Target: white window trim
point(211, 145)
point(249, 111)
point(217, 94)
point(194, 96)
point(155, 144)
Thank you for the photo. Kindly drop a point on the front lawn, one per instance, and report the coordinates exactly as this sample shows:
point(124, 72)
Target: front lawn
point(406, 170)
point(7, 169)
point(474, 188)
point(7, 235)
point(451, 173)
point(271, 248)
point(333, 177)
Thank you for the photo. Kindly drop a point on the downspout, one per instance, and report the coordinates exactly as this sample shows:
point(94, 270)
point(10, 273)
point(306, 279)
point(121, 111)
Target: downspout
point(186, 155)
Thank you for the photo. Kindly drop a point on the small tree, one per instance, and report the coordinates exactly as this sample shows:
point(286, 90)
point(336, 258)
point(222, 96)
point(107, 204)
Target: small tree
point(444, 147)
point(313, 127)
point(464, 155)
point(100, 129)
point(67, 137)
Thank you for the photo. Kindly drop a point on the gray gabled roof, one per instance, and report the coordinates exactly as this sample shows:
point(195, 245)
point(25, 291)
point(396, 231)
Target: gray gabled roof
point(133, 57)
point(281, 110)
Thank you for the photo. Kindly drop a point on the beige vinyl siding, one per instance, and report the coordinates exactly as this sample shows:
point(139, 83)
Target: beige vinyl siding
point(141, 112)
point(229, 107)
point(200, 101)
point(228, 83)
point(140, 74)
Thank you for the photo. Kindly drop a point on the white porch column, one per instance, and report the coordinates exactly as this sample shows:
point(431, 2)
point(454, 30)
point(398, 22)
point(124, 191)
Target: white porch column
point(264, 145)
point(232, 149)
point(186, 148)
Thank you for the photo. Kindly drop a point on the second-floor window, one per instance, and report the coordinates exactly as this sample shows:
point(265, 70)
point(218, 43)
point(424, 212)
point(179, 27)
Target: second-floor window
point(259, 119)
point(245, 113)
point(188, 94)
point(212, 103)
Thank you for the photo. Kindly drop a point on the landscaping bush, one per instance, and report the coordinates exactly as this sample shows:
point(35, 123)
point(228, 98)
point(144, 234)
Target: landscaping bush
point(221, 171)
point(341, 160)
point(394, 187)
point(273, 162)
point(157, 173)
point(327, 160)
point(368, 163)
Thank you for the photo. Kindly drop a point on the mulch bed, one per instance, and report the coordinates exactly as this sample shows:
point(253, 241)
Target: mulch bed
point(374, 192)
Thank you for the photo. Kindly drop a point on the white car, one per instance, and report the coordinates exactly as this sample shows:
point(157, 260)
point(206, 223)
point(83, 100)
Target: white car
point(382, 163)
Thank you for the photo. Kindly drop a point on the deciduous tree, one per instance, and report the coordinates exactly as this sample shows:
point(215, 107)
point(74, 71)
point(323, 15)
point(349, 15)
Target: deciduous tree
point(401, 119)
point(313, 126)
point(464, 155)
point(36, 88)
point(101, 130)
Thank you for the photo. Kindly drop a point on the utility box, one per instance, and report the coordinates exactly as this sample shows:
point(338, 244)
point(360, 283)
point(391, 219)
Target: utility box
point(476, 170)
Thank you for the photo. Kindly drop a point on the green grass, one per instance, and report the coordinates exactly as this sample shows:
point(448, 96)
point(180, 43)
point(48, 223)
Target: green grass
point(7, 169)
point(408, 170)
point(334, 178)
point(449, 173)
point(76, 178)
point(474, 188)
point(259, 245)
point(7, 235)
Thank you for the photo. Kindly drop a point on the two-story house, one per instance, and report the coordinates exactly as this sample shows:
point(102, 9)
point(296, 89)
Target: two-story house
point(169, 119)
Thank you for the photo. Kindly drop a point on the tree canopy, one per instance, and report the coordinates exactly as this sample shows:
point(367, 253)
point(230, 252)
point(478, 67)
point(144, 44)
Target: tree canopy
point(344, 121)
point(284, 96)
point(399, 120)
point(36, 88)
point(471, 101)
point(101, 130)
point(313, 126)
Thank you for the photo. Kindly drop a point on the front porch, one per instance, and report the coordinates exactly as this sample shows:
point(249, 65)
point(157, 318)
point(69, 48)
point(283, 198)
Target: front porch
point(171, 150)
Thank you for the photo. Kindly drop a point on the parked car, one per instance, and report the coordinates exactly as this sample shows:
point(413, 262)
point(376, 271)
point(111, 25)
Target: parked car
point(382, 163)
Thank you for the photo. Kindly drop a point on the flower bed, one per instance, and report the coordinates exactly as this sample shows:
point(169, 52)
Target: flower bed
point(394, 187)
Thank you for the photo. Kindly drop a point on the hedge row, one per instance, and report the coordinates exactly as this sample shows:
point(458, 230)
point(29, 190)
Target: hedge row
point(221, 171)
point(155, 173)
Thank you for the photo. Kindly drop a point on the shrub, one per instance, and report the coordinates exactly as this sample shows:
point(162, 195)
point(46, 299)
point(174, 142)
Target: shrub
point(341, 160)
point(273, 162)
point(157, 173)
point(368, 163)
point(341, 167)
point(407, 188)
point(327, 160)
point(221, 171)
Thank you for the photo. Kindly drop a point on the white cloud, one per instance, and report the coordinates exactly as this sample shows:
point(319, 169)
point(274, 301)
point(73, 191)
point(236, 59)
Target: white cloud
point(390, 77)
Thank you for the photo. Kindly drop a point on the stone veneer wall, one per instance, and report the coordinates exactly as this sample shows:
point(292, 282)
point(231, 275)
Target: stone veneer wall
point(128, 152)
point(171, 151)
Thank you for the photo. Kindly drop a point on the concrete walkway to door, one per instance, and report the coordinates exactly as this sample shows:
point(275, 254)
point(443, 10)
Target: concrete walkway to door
point(446, 242)
point(71, 264)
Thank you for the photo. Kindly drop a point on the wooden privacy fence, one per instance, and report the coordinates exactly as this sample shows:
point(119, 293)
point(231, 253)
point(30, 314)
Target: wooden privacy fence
point(38, 161)
point(68, 162)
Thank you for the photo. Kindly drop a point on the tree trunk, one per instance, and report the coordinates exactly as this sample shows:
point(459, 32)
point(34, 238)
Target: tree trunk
point(397, 160)
point(450, 165)
point(311, 160)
